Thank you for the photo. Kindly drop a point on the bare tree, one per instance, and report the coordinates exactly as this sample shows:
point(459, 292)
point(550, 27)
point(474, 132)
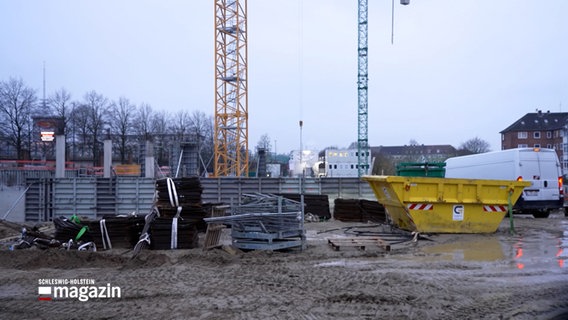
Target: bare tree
point(159, 122)
point(17, 101)
point(81, 136)
point(264, 143)
point(474, 145)
point(60, 104)
point(143, 121)
point(203, 128)
point(121, 122)
point(98, 108)
point(181, 125)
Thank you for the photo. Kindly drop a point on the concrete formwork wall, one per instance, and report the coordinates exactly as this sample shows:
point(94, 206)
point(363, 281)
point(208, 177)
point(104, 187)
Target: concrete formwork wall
point(93, 197)
point(88, 197)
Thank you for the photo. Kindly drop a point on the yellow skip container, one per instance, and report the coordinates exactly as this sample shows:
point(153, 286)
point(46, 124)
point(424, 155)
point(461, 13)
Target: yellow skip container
point(445, 205)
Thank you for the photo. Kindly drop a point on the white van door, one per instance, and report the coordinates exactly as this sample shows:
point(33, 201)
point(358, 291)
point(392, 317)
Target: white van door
point(541, 169)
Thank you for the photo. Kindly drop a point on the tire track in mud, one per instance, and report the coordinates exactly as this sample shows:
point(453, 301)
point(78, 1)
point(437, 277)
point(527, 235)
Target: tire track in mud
point(316, 284)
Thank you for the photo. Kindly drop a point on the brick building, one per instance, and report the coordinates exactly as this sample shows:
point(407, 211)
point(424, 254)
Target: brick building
point(539, 130)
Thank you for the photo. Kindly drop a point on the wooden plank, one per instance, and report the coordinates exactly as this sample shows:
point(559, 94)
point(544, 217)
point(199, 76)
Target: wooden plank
point(359, 242)
point(213, 236)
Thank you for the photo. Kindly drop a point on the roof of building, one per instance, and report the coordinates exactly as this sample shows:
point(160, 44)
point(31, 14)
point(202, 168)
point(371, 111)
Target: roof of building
point(539, 120)
point(414, 149)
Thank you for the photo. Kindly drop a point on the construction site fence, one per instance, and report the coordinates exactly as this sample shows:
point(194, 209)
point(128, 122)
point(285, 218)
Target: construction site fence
point(94, 197)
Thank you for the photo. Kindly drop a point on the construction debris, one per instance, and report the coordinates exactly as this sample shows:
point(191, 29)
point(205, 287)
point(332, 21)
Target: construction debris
point(214, 230)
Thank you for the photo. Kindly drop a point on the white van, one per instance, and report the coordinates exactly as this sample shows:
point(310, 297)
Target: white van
point(538, 165)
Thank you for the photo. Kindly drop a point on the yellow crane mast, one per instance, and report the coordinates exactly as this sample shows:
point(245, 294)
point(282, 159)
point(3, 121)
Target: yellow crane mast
point(231, 98)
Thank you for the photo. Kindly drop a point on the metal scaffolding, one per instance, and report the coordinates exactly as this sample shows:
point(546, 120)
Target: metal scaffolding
point(231, 99)
point(362, 79)
point(265, 222)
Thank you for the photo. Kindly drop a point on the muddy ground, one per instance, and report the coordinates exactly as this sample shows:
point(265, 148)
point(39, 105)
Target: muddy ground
point(440, 276)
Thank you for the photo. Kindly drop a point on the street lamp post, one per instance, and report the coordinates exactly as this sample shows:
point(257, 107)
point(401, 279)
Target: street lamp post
point(301, 149)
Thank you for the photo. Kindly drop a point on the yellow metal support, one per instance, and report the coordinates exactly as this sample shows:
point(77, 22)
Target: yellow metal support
point(231, 98)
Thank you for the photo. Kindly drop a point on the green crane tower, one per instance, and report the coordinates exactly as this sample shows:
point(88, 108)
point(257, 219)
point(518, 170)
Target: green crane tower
point(363, 149)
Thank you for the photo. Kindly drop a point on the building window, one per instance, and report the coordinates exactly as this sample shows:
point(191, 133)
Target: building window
point(549, 134)
point(537, 145)
point(330, 166)
point(351, 166)
point(522, 135)
point(549, 146)
point(522, 146)
point(334, 166)
point(536, 134)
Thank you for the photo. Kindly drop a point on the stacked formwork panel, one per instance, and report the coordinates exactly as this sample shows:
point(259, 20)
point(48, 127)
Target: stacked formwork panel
point(265, 222)
point(179, 214)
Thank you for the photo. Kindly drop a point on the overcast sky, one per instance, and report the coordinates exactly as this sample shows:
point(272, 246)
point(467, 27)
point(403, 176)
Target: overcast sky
point(456, 70)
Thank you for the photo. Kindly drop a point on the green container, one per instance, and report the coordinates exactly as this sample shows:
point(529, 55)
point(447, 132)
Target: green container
point(421, 169)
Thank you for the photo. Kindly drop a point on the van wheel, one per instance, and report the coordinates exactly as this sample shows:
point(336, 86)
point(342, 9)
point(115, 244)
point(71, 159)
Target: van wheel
point(541, 214)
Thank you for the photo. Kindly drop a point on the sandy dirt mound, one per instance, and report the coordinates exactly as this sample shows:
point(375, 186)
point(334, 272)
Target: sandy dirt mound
point(441, 276)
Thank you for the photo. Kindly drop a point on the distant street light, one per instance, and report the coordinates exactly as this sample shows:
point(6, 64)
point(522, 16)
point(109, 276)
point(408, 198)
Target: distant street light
point(301, 148)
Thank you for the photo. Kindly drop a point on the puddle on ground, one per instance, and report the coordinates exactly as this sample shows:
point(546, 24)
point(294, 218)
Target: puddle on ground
point(536, 252)
point(541, 251)
point(486, 249)
point(345, 263)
